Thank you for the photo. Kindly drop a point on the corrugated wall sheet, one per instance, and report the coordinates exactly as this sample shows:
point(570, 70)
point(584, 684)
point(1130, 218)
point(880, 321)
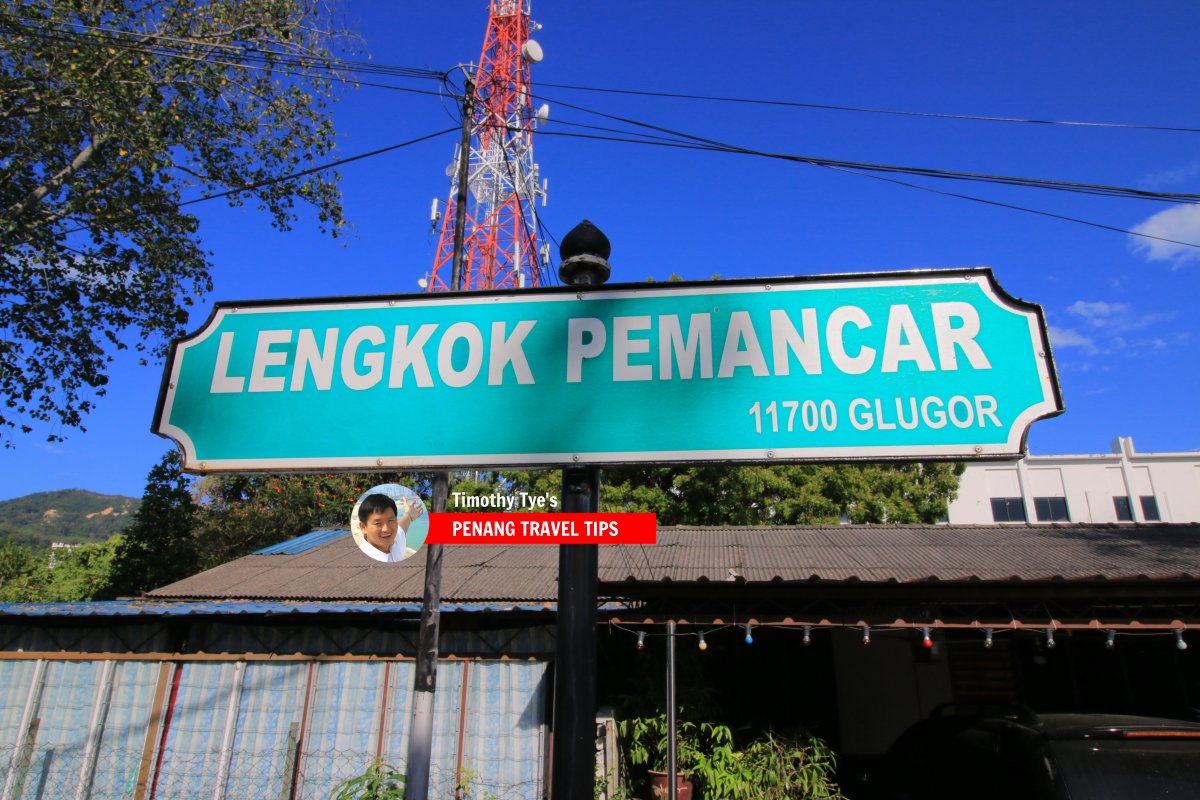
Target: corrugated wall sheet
point(279, 730)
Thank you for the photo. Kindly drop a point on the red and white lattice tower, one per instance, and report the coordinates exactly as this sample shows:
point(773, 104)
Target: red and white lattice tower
point(500, 247)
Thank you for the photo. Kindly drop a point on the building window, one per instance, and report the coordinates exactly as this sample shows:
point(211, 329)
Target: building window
point(1150, 509)
point(1124, 512)
point(1008, 509)
point(1051, 509)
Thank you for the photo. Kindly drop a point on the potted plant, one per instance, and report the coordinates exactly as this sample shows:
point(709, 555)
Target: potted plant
point(645, 740)
point(771, 766)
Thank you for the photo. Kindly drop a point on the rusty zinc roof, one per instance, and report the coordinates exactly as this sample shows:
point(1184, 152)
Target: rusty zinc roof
point(335, 570)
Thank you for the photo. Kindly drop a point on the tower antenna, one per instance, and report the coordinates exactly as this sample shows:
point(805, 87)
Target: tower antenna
point(500, 246)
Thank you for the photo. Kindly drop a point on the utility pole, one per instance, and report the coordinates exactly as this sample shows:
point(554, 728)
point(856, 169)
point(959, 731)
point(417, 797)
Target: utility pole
point(488, 240)
point(420, 740)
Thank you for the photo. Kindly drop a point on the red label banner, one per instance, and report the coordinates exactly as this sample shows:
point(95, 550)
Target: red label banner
point(541, 529)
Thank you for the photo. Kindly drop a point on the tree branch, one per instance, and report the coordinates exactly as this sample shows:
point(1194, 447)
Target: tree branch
point(61, 177)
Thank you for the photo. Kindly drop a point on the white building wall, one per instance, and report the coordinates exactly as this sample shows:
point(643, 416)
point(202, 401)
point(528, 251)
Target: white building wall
point(1088, 482)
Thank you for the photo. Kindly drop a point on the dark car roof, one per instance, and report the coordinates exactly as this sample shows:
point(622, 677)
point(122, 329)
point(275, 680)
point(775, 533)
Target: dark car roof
point(1079, 726)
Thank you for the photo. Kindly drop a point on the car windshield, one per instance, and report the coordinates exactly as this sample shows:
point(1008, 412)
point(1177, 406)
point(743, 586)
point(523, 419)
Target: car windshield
point(1114, 769)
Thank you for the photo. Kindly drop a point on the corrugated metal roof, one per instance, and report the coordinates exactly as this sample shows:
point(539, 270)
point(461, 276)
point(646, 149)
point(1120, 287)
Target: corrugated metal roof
point(302, 543)
point(136, 608)
point(337, 571)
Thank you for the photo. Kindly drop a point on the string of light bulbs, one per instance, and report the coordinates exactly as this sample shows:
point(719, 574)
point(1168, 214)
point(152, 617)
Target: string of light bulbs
point(1047, 633)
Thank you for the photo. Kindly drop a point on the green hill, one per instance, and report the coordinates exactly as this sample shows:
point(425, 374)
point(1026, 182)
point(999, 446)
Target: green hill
point(68, 515)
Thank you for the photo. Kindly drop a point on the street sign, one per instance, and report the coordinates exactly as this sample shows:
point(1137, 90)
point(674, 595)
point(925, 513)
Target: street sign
point(930, 364)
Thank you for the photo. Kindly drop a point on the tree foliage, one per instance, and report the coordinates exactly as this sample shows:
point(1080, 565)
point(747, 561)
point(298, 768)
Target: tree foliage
point(112, 114)
point(157, 547)
point(183, 526)
point(805, 494)
point(15, 560)
point(77, 574)
point(239, 514)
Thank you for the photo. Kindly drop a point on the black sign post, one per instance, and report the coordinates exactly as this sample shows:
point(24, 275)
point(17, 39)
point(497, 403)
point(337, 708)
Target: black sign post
point(584, 252)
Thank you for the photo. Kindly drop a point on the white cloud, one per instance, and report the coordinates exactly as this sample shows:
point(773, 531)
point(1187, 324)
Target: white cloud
point(1179, 224)
point(1062, 338)
point(1097, 312)
point(1103, 328)
point(1172, 177)
point(1113, 318)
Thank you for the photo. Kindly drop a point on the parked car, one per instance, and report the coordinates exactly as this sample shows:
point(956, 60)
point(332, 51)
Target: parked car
point(990, 751)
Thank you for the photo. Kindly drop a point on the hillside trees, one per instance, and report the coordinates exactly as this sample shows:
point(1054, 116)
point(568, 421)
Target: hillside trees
point(113, 115)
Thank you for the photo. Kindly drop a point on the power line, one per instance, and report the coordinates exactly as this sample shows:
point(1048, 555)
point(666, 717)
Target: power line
point(117, 38)
point(175, 46)
point(862, 110)
point(680, 137)
point(1022, 209)
point(834, 163)
point(292, 176)
point(331, 165)
point(863, 169)
point(1014, 207)
point(262, 62)
point(370, 67)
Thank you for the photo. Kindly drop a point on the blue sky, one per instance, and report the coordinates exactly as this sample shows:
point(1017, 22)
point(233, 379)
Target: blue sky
point(1122, 310)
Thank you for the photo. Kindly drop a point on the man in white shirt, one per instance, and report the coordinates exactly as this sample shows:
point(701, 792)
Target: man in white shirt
point(383, 532)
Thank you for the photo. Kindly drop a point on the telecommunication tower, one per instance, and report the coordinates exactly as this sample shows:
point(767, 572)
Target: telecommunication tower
point(500, 244)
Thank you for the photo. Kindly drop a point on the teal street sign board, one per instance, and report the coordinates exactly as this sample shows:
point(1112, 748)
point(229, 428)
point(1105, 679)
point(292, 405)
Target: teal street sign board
point(876, 366)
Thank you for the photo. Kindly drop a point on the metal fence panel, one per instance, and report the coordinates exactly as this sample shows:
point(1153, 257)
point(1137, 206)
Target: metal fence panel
point(190, 758)
point(505, 721)
point(272, 702)
point(14, 689)
point(447, 707)
point(124, 734)
point(343, 725)
point(233, 729)
point(52, 768)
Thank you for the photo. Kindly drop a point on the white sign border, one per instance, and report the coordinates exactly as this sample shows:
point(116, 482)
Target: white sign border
point(1049, 406)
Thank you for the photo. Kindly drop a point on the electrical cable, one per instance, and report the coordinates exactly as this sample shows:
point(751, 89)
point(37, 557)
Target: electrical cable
point(1040, 183)
point(863, 169)
point(1023, 209)
point(331, 165)
point(861, 110)
point(116, 37)
point(681, 140)
point(423, 73)
point(1063, 185)
point(882, 178)
point(264, 64)
point(292, 176)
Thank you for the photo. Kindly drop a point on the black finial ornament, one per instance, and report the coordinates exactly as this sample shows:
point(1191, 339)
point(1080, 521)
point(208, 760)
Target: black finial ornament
point(584, 253)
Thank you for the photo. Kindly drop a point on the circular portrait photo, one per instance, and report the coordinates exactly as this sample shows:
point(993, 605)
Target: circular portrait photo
point(389, 522)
